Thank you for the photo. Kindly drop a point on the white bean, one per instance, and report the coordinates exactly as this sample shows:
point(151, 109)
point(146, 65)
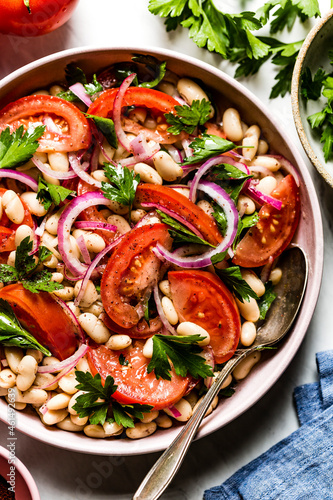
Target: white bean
point(45, 379)
point(66, 293)
point(27, 370)
point(68, 425)
point(250, 142)
point(137, 215)
point(184, 408)
point(50, 360)
point(249, 310)
point(38, 355)
point(90, 293)
point(79, 420)
point(57, 277)
point(149, 417)
point(96, 309)
point(150, 123)
point(72, 402)
point(68, 383)
point(188, 328)
point(118, 342)
point(109, 151)
point(232, 125)
point(245, 366)
point(190, 91)
point(168, 169)
point(192, 398)
point(94, 431)
point(7, 378)
point(267, 185)
point(164, 421)
point(164, 286)
point(112, 429)
point(22, 232)
point(53, 417)
point(253, 281)
point(266, 161)
point(169, 310)
point(11, 258)
point(33, 396)
point(167, 88)
point(94, 327)
point(83, 365)
point(262, 147)
point(58, 402)
point(13, 207)
point(211, 407)
point(14, 356)
point(121, 152)
point(56, 89)
point(59, 161)
point(206, 207)
point(275, 275)
point(138, 115)
point(99, 175)
point(121, 224)
point(147, 350)
point(141, 430)
point(52, 223)
point(51, 261)
point(34, 205)
point(248, 333)
point(245, 205)
point(148, 174)
point(94, 242)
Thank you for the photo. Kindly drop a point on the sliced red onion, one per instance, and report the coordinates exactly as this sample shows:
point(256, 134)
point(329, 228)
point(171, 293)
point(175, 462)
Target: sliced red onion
point(266, 270)
point(85, 224)
point(225, 202)
point(262, 198)
point(174, 153)
point(35, 239)
point(161, 313)
point(58, 377)
point(216, 160)
point(92, 267)
point(41, 228)
point(186, 146)
point(44, 409)
point(68, 216)
point(4, 362)
point(77, 327)
point(287, 167)
point(180, 100)
point(19, 176)
point(142, 152)
point(83, 249)
point(175, 413)
point(80, 92)
point(71, 361)
point(117, 107)
point(94, 159)
point(174, 215)
point(51, 126)
point(52, 173)
point(80, 170)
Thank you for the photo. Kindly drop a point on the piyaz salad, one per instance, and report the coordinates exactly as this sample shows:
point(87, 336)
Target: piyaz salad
point(141, 225)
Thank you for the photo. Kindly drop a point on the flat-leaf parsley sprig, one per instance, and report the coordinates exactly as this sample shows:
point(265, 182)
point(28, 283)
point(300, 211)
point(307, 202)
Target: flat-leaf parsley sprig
point(187, 118)
point(122, 186)
point(18, 147)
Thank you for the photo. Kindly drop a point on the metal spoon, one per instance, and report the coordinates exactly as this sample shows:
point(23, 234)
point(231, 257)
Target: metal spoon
point(290, 291)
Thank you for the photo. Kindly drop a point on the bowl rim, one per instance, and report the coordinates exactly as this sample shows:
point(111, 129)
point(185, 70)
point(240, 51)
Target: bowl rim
point(295, 96)
point(286, 351)
point(24, 473)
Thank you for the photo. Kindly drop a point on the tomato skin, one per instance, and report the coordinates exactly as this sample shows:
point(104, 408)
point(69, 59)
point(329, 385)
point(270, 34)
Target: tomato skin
point(8, 228)
point(275, 229)
point(7, 239)
point(135, 385)
point(176, 202)
point(130, 271)
point(157, 102)
point(45, 16)
point(140, 331)
point(202, 298)
point(35, 106)
point(44, 318)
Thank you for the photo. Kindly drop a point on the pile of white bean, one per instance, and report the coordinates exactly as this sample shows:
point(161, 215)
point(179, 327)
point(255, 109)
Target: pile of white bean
point(19, 368)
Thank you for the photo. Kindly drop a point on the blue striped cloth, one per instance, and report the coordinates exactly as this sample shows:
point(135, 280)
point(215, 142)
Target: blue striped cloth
point(300, 467)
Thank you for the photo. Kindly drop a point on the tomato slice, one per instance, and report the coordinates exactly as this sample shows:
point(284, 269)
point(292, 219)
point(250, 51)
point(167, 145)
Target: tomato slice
point(157, 102)
point(135, 385)
point(44, 318)
point(140, 331)
point(202, 298)
point(274, 230)
point(178, 203)
point(131, 273)
point(8, 228)
point(74, 129)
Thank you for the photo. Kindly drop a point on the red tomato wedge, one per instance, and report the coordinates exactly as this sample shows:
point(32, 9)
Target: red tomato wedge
point(74, 129)
point(8, 228)
point(131, 273)
point(135, 385)
point(44, 318)
point(162, 196)
point(140, 331)
point(202, 298)
point(157, 102)
point(274, 230)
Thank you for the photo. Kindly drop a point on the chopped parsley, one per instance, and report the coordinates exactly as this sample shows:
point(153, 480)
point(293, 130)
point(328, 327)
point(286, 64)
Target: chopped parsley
point(180, 233)
point(206, 147)
point(49, 194)
point(18, 147)
point(153, 66)
point(233, 279)
point(187, 118)
point(106, 126)
point(266, 300)
point(122, 185)
point(74, 74)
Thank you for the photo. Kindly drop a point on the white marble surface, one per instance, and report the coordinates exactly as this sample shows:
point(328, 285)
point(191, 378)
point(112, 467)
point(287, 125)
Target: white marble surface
point(66, 475)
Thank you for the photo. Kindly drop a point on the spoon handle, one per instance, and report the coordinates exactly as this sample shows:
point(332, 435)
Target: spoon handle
point(166, 467)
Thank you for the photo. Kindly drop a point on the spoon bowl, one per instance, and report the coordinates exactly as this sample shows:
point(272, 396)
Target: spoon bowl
point(289, 294)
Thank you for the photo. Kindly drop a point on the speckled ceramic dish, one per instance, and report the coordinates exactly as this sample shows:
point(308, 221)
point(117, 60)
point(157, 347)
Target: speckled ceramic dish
point(313, 54)
point(41, 74)
point(20, 479)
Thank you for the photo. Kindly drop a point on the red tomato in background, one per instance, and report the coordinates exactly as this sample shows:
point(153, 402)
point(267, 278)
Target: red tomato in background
point(44, 318)
point(135, 384)
point(74, 128)
point(44, 16)
point(202, 298)
point(274, 230)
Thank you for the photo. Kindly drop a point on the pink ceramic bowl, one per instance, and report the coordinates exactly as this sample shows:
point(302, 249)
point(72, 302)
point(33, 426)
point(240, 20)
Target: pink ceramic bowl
point(309, 235)
point(20, 479)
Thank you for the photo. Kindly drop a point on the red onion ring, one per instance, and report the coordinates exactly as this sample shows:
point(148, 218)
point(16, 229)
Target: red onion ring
point(176, 413)
point(51, 126)
point(85, 224)
point(53, 173)
point(262, 198)
point(174, 153)
point(80, 170)
point(80, 92)
point(57, 367)
point(117, 107)
point(83, 249)
point(19, 176)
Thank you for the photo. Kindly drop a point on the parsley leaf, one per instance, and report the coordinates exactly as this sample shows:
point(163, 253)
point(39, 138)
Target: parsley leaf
point(74, 74)
point(231, 179)
point(311, 88)
point(244, 223)
point(122, 186)
point(206, 147)
point(121, 412)
point(188, 117)
point(122, 360)
point(152, 65)
point(12, 333)
point(19, 147)
point(106, 126)
point(233, 279)
point(181, 234)
point(50, 193)
point(25, 269)
point(266, 300)
point(183, 352)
